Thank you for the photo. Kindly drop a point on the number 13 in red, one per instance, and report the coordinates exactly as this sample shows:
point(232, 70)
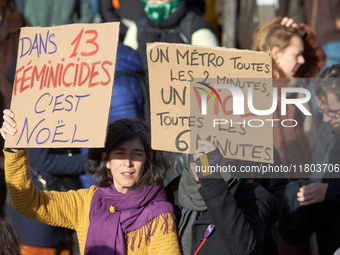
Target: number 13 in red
point(92, 41)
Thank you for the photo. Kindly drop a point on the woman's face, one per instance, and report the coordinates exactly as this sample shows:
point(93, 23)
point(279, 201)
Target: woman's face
point(127, 164)
point(290, 59)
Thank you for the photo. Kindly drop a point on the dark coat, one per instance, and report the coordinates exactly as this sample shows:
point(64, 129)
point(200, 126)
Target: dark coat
point(240, 216)
point(177, 28)
point(109, 13)
point(298, 223)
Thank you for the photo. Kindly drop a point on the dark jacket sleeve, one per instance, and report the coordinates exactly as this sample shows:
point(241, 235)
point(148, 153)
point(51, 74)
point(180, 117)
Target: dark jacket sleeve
point(333, 190)
point(275, 185)
point(240, 219)
point(57, 162)
point(334, 153)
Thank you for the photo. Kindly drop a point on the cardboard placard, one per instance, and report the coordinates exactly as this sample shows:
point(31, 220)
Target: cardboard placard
point(63, 85)
point(189, 102)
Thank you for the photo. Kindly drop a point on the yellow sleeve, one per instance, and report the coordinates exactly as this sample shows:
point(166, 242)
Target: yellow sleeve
point(163, 241)
point(65, 209)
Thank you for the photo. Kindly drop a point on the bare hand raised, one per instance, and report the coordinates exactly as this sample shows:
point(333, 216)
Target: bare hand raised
point(286, 22)
point(312, 193)
point(205, 149)
point(8, 126)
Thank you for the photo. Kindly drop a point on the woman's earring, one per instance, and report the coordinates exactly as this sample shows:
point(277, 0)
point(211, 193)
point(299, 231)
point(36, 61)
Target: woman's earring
point(277, 61)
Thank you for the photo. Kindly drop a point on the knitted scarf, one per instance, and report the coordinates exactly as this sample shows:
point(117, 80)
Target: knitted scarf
point(113, 214)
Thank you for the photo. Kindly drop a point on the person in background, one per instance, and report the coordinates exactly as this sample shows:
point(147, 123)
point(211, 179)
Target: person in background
point(9, 238)
point(122, 11)
point(275, 185)
point(295, 54)
point(129, 92)
point(129, 95)
point(95, 9)
point(168, 21)
point(217, 212)
point(44, 13)
point(10, 23)
point(69, 165)
point(127, 213)
point(312, 206)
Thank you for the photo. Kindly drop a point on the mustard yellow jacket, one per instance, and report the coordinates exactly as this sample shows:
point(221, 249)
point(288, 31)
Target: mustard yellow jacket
point(71, 209)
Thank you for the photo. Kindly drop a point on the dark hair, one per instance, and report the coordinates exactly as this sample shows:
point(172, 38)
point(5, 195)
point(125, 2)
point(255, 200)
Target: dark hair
point(156, 164)
point(329, 82)
point(9, 239)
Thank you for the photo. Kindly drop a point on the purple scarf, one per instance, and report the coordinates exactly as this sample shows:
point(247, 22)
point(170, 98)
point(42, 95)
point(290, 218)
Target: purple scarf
point(133, 210)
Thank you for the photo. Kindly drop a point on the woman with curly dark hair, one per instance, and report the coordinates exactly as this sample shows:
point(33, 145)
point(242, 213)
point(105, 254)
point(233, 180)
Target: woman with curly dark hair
point(127, 213)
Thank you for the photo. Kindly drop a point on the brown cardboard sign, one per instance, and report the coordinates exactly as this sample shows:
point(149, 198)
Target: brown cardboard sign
point(63, 85)
point(216, 94)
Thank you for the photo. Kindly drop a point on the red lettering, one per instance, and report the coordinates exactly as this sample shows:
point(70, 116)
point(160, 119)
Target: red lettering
point(198, 98)
point(37, 75)
point(46, 77)
point(93, 42)
point(17, 80)
point(76, 41)
point(75, 75)
point(53, 76)
point(67, 84)
point(80, 81)
point(106, 62)
point(93, 74)
point(224, 103)
point(60, 74)
point(24, 79)
point(57, 75)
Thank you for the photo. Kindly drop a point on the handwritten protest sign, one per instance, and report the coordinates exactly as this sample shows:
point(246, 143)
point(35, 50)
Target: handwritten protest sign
point(199, 92)
point(63, 85)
